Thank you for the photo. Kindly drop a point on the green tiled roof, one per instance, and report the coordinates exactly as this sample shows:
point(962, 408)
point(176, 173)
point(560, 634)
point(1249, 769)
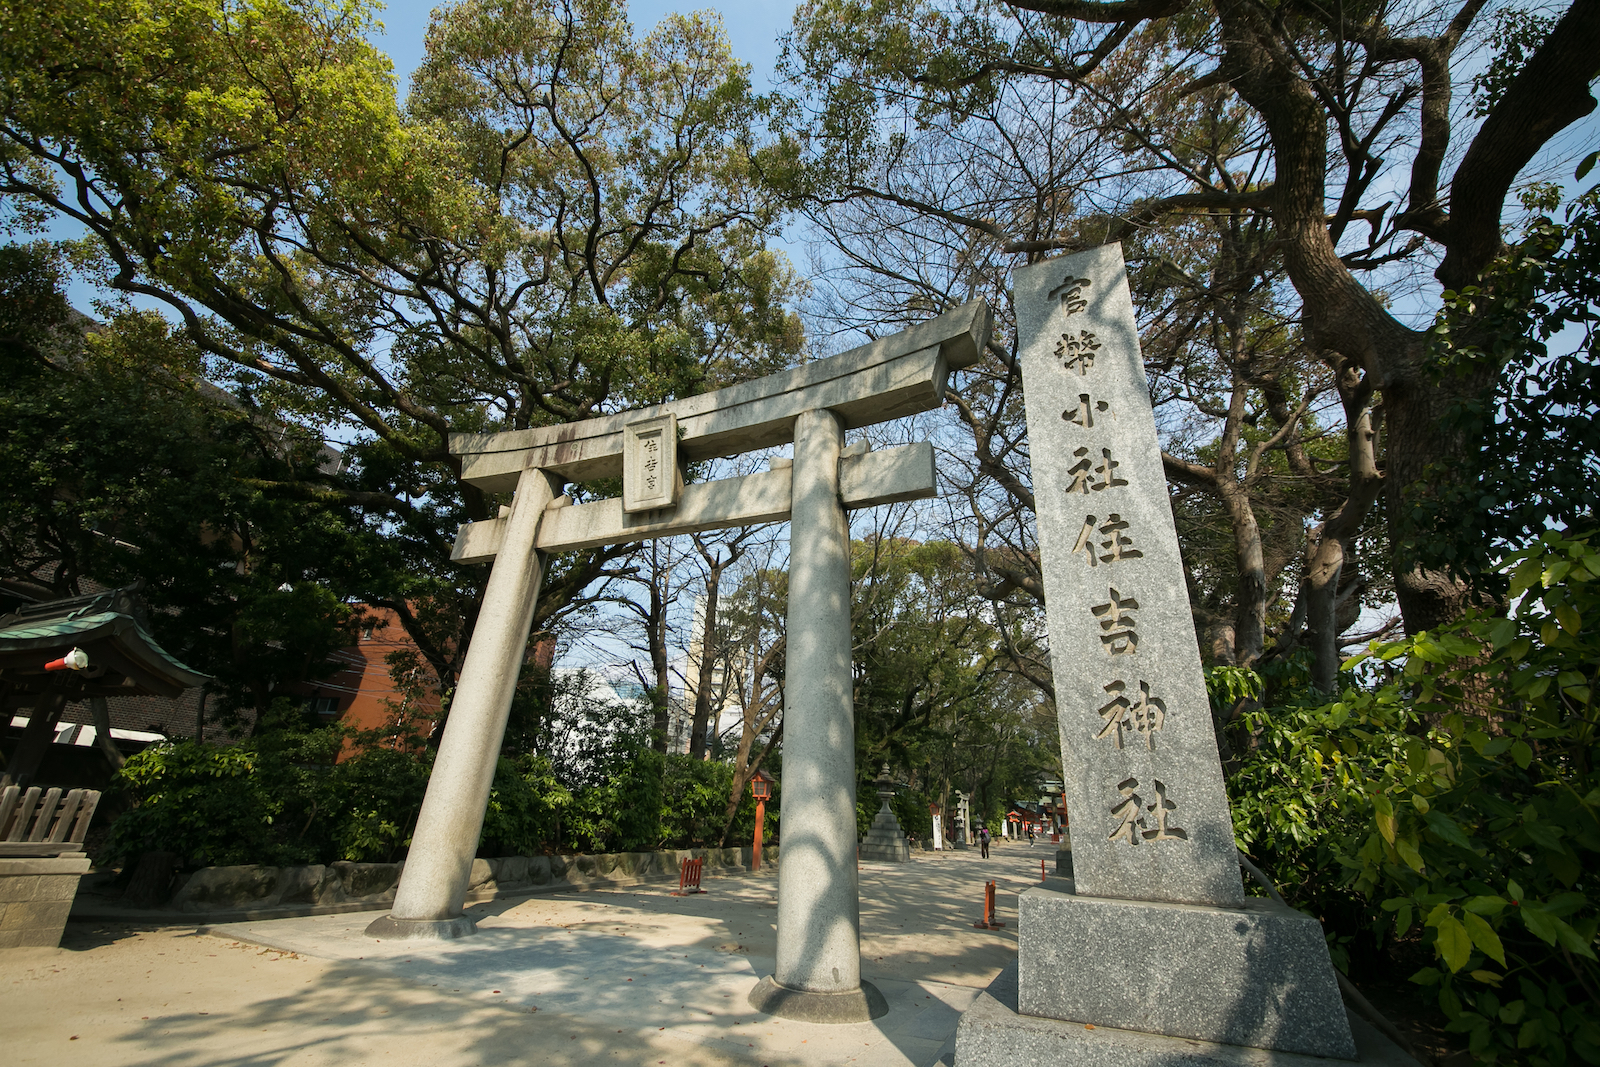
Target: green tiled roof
point(40, 630)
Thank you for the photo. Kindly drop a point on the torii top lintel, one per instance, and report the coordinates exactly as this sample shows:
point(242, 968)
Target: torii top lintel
point(888, 378)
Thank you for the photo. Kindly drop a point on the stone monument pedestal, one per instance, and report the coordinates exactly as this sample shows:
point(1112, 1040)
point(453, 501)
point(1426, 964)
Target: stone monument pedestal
point(993, 1033)
point(1259, 975)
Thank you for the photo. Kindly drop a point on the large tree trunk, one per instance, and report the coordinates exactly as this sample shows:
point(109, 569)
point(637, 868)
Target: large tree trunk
point(1340, 315)
point(150, 884)
point(698, 746)
point(1250, 596)
point(1330, 549)
point(1416, 442)
point(656, 638)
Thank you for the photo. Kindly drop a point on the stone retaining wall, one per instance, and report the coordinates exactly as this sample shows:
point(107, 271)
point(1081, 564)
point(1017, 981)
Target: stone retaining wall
point(346, 886)
point(35, 897)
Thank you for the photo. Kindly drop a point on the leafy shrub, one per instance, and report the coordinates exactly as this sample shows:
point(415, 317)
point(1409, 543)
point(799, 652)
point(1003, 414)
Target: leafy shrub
point(277, 798)
point(375, 797)
point(910, 806)
point(1459, 799)
point(280, 798)
point(205, 804)
point(695, 801)
point(621, 810)
point(525, 805)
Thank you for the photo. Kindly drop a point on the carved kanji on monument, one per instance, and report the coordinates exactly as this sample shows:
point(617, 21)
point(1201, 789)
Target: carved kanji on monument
point(1118, 606)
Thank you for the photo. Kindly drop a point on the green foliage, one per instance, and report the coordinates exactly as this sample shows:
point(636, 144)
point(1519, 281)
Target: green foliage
point(695, 801)
point(933, 696)
point(1516, 34)
point(644, 800)
point(118, 465)
point(276, 798)
point(525, 806)
point(373, 799)
point(1536, 458)
point(566, 218)
point(621, 812)
point(279, 798)
point(1459, 798)
point(207, 805)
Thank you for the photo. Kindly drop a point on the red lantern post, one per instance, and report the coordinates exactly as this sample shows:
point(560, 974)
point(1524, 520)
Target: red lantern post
point(761, 789)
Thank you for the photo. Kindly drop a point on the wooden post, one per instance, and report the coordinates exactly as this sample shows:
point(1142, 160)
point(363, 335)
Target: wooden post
point(38, 734)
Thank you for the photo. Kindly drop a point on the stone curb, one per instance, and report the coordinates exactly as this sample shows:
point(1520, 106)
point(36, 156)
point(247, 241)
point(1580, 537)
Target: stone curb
point(572, 878)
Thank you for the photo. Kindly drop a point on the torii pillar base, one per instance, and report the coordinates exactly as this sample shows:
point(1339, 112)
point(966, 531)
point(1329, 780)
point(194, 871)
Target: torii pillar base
point(388, 928)
point(860, 1005)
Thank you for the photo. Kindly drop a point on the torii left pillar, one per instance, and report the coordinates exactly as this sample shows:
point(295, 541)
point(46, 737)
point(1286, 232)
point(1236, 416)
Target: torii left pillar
point(431, 895)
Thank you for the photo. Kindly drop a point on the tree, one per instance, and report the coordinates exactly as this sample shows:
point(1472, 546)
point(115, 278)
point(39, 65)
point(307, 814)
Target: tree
point(755, 638)
point(713, 651)
point(1239, 396)
point(567, 220)
point(933, 695)
point(1539, 466)
point(115, 470)
point(1345, 104)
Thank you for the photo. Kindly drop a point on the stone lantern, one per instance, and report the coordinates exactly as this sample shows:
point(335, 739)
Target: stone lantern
point(885, 841)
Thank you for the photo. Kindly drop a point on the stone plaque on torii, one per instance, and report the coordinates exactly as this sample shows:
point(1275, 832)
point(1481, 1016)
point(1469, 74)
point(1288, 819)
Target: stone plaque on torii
point(818, 974)
point(1156, 956)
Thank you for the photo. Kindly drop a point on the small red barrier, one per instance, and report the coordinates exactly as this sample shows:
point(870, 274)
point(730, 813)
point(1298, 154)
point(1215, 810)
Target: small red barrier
point(987, 922)
point(689, 878)
point(1041, 870)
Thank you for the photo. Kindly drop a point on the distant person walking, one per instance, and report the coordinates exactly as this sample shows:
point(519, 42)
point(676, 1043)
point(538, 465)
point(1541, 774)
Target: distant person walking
point(1030, 835)
point(983, 841)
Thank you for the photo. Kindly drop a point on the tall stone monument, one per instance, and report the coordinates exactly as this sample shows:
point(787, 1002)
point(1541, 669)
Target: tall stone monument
point(1157, 956)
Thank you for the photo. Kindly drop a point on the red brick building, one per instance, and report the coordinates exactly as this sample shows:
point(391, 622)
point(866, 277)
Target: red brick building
point(363, 692)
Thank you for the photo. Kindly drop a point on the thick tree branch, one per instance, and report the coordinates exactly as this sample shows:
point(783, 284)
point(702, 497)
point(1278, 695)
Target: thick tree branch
point(1549, 94)
point(1093, 11)
point(1205, 202)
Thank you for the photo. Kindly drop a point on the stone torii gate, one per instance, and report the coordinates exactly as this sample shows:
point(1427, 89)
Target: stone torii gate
point(818, 972)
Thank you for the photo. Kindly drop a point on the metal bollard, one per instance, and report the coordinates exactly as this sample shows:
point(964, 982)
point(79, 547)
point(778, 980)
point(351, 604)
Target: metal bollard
point(1041, 870)
point(689, 878)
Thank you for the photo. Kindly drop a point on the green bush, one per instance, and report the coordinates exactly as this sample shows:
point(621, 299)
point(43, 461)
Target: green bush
point(646, 801)
point(695, 801)
point(525, 807)
point(277, 798)
point(375, 797)
point(207, 805)
point(1457, 797)
point(280, 798)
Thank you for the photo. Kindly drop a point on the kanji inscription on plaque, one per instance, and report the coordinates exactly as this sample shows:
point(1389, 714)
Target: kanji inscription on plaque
point(650, 478)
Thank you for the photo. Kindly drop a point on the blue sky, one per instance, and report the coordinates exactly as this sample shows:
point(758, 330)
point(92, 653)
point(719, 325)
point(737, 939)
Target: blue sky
point(753, 30)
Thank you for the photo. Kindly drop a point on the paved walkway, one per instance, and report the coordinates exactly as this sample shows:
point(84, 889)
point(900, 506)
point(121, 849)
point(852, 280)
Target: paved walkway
point(630, 975)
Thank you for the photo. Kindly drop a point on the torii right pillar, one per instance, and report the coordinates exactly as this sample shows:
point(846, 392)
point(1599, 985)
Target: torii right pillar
point(818, 976)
